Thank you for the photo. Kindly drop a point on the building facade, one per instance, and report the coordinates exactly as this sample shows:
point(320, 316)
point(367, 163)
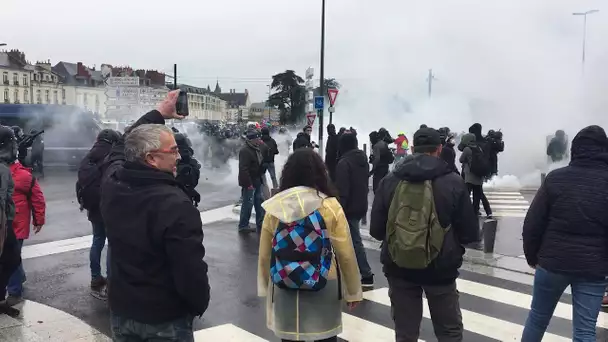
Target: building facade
point(84, 87)
point(237, 104)
point(261, 111)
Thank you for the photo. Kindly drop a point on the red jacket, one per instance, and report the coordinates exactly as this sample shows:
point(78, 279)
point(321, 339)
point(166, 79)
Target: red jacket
point(26, 209)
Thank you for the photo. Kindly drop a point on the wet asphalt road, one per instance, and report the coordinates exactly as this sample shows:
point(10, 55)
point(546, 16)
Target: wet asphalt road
point(62, 280)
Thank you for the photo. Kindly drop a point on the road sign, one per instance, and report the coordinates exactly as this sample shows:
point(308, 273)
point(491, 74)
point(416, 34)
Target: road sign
point(332, 109)
point(310, 118)
point(319, 102)
point(123, 81)
point(332, 93)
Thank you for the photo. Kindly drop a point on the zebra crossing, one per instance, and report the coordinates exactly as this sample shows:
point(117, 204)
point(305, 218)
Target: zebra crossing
point(506, 203)
point(494, 308)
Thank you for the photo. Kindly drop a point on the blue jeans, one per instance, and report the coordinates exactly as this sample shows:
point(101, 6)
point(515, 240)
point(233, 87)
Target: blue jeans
point(99, 241)
point(355, 234)
point(127, 330)
point(251, 198)
point(586, 300)
point(273, 174)
point(15, 282)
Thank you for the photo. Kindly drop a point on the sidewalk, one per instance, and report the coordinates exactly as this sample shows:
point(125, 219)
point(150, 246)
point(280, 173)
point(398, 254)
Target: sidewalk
point(38, 322)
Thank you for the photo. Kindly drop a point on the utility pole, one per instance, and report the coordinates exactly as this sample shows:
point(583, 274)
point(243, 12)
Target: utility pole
point(174, 76)
point(268, 103)
point(584, 14)
point(322, 85)
point(430, 80)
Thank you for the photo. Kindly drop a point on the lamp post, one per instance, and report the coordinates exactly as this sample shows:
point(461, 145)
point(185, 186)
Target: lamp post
point(2, 44)
point(584, 14)
point(322, 76)
point(268, 103)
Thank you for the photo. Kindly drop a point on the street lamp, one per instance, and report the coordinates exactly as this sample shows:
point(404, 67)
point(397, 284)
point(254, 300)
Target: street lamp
point(322, 76)
point(584, 14)
point(2, 44)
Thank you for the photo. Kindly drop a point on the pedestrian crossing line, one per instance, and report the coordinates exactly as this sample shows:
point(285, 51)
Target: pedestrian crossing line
point(510, 206)
point(501, 201)
point(226, 333)
point(504, 193)
point(518, 299)
point(520, 214)
point(355, 329)
point(480, 324)
point(522, 198)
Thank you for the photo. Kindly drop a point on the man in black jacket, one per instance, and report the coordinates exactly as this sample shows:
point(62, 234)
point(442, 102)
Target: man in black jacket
point(447, 151)
point(272, 151)
point(303, 139)
point(382, 157)
point(251, 171)
point(438, 280)
point(331, 151)
point(565, 236)
point(159, 279)
point(352, 174)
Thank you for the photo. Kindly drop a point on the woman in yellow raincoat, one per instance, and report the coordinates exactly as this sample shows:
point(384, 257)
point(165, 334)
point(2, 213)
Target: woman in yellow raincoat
point(298, 315)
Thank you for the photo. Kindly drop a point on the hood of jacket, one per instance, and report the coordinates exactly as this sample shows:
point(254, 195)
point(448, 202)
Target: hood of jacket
point(357, 157)
point(303, 135)
point(589, 146)
point(419, 167)
point(476, 130)
point(347, 142)
point(468, 139)
point(294, 204)
point(331, 130)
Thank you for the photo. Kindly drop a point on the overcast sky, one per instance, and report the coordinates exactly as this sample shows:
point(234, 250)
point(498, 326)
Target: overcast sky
point(519, 55)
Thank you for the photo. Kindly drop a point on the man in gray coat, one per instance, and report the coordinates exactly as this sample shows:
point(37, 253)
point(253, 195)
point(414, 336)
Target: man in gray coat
point(474, 182)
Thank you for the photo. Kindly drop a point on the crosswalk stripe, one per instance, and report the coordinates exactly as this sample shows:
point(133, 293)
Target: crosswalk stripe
point(481, 324)
point(502, 193)
point(503, 201)
point(514, 198)
point(226, 333)
point(356, 329)
point(509, 206)
point(509, 214)
point(518, 299)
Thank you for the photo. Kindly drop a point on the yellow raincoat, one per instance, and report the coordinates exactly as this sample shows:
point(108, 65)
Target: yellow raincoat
point(308, 315)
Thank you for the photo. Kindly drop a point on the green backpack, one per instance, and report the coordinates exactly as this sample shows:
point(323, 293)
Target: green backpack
point(414, 234)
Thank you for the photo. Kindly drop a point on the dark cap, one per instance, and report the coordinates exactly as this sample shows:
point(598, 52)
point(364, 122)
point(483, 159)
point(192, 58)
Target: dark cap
point(426, 137)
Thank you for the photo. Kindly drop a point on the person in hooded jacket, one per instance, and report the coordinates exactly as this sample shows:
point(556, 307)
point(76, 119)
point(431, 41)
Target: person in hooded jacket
point(438, 280)
point(97, 157)
point(352, 175)
point(447, 152)
point(10, 257)
point(251, 171)
point(272, 151)
point(331, 151)
point(382, 159)
point(30, 209)
point(188, 168)
point(298, 315)
point(303, 139)
point(565, 235)
point(557, 149)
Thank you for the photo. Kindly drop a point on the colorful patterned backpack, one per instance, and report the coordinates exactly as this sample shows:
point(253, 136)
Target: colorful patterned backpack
point(301, 254)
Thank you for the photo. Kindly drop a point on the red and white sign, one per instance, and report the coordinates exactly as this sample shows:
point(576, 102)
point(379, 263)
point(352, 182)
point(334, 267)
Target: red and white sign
point(332, 93)
point(310, 118)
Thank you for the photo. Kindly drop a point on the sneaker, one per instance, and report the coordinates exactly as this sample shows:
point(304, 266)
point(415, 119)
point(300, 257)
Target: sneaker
point(101, 294)
point(8, 310)
point(367, 281)
point(13, 300)
point(247, 230)
point(605, 302)
point(98, 283)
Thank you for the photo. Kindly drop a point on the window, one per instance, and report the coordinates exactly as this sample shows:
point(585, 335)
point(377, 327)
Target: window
point(53, 79)
point(15, 79)
point(6, 96)
point(16, 96)
point(35, 77)
point(47, 96)
point(25, 80)
point(85, 101)
point(46, 77)
point(63, 94)
point(5, 77)
point(26, 96)
point(38, 96)
point(55, 96)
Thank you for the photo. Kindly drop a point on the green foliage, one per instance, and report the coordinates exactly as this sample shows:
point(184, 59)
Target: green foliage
point(289, 96)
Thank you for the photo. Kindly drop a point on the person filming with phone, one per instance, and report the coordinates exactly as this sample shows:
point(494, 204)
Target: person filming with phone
point(159, 278)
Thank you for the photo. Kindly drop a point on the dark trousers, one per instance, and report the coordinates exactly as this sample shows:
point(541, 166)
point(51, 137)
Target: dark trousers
point(331, 339)
point(9, 260)
point(406, 310)
point(477, 196)
point(128, 330)
point(379, 173)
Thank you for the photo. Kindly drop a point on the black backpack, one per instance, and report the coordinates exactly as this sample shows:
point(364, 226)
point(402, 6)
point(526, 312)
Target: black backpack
point(480, 160)
point(88, 186)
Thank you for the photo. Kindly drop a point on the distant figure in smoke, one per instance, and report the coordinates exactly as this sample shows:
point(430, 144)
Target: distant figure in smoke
point(403, 146)
point(303, 139)
point(251, 171)
point(188, 168)
point(382, 157)
point(447, 152)
point(19, 135)
point(558, 147)
point(331, 151)
point(272, 151)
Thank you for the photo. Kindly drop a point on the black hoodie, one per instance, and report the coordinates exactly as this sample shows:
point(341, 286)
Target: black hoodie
point(302, 141)
point(331, 151)
point(453, 208)
point(352, 178)
point(566, 228)
point(271, 144)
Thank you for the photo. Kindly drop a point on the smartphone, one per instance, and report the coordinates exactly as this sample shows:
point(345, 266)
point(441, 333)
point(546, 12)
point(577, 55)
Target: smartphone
point(181, 106)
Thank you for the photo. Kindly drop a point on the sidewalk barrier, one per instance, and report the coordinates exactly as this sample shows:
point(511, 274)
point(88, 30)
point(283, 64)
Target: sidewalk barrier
point(488, 232)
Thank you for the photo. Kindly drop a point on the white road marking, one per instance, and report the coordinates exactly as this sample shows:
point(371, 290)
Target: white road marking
point(480, 324)
point(356, 329)
point(226, 333)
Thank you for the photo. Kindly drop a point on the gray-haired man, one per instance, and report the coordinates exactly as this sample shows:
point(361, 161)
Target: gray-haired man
point(159, 279)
